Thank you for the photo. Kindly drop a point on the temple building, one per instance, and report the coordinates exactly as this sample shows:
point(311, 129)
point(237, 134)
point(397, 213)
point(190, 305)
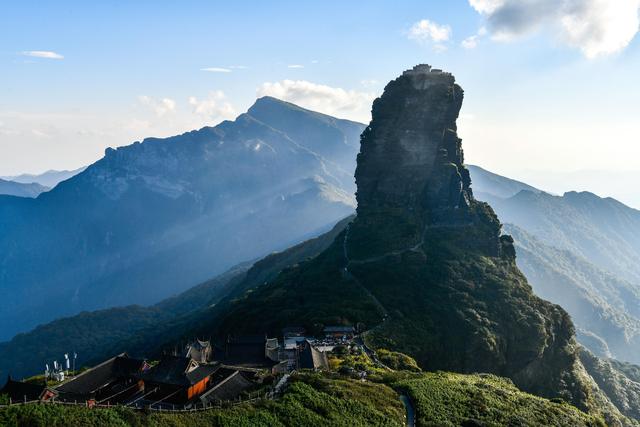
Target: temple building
point(112, 381)
point(176, 379)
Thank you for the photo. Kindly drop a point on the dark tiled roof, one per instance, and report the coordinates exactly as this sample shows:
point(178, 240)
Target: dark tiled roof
point(91, 380)
point(245, 351)
point(200, 373)
point(312, 358)
point(227, 388)
point(247, 339)
point(173, 370)
point(18, 390)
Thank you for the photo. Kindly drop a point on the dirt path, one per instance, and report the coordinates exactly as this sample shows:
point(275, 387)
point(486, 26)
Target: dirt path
point(411, 412)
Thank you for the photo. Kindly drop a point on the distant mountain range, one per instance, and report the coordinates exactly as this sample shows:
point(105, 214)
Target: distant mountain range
point(156, 217)
point(47, 179)
point(10, 188)
point(577, 250)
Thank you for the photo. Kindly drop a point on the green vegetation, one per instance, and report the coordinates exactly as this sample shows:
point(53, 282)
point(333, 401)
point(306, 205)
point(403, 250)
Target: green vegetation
point(446, 399)
point(397, 361)
point(311, 399)
point(352, 361)
point(313, 293)
point(330, 398)
point(617, 381)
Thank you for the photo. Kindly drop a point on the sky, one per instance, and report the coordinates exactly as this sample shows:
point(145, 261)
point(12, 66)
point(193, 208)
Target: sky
point(551, 86)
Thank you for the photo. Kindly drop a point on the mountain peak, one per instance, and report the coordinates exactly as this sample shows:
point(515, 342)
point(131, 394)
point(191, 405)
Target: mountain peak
point(272, 105)
point(411, 165)
point(423, 265)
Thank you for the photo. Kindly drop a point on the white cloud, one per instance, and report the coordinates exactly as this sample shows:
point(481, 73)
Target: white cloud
point(486, 6)
point(159, 106)
point(470, 42)
point(216, 70)
point(42, 54)
point(295, 66)
point(426, 31)
point(596, 27)
point(326, 99)
point(215, 106)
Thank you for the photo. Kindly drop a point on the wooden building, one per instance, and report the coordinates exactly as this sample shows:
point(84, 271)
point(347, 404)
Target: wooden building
point(20, 391)
point(253, 351)
point(112, 381)
point(176, 380)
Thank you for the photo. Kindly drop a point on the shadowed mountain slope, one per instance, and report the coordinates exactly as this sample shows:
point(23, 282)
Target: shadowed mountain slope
point(143, 331)
point(154, 218)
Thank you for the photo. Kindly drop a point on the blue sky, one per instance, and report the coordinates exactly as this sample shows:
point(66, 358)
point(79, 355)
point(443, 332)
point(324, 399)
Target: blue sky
point(551, 87)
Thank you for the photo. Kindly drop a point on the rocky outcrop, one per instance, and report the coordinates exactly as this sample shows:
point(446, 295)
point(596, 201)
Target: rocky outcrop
point(411, 173)
point(423, 266)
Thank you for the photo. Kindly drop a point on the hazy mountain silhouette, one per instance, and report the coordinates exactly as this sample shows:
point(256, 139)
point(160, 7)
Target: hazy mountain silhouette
point(10, 188)
point(580, 251)
point(50, 178)
point(156, 217)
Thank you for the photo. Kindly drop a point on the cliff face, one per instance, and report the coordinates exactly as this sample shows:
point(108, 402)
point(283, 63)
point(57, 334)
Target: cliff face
point(410, 172)
point(420, 232)
point(423, 266)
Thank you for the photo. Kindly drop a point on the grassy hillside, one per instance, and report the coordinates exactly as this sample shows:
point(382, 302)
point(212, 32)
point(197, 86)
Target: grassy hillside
point(309, 400)
point(440, 399)
point(446, 399)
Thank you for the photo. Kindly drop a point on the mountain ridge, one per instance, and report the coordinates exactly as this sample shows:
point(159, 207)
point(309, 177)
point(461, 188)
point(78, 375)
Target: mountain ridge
point(160, 214)
point(31, 190)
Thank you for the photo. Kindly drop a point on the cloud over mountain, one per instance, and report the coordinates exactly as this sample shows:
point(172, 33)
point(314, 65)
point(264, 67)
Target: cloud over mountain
point(335, 101)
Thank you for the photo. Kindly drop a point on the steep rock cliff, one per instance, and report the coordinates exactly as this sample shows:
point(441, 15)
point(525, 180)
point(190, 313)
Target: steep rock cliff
point(423, 267)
